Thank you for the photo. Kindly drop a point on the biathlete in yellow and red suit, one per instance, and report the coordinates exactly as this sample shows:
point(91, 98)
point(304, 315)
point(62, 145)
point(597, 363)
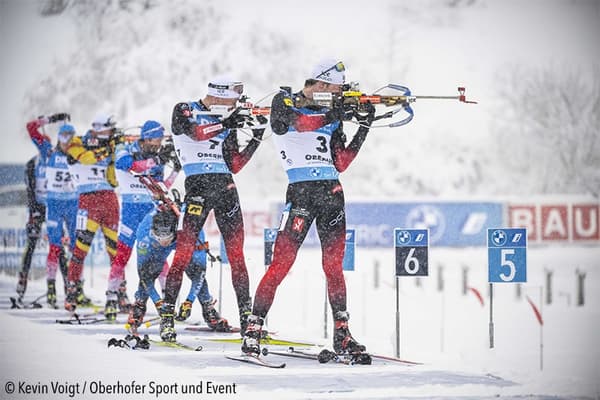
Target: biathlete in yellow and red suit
point(92, 160)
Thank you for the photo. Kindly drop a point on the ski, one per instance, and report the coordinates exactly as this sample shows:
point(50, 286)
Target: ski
point(324, 356)
point(266, 341)
point(395, 359)
point(176, 345)
point(291, 353)
point(232, 329)
point(346, 358)
point(93, 313)
point(256, 360)
point(207, 329)
point(18, 304)
point(83, 320)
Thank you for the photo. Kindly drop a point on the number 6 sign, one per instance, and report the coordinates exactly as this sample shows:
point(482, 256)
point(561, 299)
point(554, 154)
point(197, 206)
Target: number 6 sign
point(507, 255)
point(411, 251)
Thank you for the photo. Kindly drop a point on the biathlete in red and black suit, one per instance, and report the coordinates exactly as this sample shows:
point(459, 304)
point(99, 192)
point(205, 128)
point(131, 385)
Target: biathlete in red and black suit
point(208, 149)
point(311, 144)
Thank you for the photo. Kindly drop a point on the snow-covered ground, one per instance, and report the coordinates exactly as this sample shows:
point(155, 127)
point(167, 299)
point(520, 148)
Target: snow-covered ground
point(138, 61)
point(447, 330)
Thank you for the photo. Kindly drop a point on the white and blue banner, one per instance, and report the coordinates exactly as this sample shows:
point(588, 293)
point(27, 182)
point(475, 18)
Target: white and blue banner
point(452, 224)
point(348, 263)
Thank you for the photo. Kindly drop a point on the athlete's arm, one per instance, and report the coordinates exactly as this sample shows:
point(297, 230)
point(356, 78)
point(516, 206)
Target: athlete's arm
point(236, 159)
point(183, 124)
point(284, 115)
point(342, 155)
point(42, 142)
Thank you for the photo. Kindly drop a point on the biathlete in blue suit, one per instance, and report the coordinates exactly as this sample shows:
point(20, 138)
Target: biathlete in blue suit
point(61, 197)
point(156, 239)
point(144, 156)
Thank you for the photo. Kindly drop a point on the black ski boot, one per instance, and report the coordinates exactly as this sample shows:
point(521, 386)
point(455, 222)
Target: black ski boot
point(252, 335)
point(343, 342)
point(167, 323)
point(185, 310)
point(110, 309)
point(71, 297)
point(136, 315)
point(51, 293)
point(124, 304)
point(245, 312)
point(212, 317)
point(81, 299)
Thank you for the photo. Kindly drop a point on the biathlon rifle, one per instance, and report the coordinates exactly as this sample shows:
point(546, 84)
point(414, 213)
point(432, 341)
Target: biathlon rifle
point(160, 192)
point(351, 99)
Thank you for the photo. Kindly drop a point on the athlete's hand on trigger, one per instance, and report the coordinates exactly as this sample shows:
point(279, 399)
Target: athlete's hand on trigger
point(235, 120)
point(366, 115)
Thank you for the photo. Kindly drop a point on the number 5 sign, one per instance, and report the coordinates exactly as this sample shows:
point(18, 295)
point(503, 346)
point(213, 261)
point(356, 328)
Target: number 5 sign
point(507, 255)
point(411, 251)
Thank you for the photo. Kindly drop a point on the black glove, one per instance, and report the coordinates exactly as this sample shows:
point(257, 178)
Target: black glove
point(103, 152)
point(262, 119)
point(366, 115)
point(235, 120)
point(165, 156)
point(337, 111)
point(167, 153)
point(258, 133)
point(59, 117)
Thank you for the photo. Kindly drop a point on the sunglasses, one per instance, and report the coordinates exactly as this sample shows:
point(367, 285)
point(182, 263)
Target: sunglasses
point(339, 67)
point(99, 126)
point(237, 87)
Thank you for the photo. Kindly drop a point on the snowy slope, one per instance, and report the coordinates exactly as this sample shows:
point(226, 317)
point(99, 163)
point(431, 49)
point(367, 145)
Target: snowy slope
point(445, 330)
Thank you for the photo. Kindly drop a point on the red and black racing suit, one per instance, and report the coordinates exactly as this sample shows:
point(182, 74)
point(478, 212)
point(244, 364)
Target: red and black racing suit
point(316, 195)
point(211, 190)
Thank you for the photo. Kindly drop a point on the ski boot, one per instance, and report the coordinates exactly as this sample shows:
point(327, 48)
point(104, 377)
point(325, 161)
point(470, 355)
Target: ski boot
point(81, 299)
point(110, 309)
point(213, 318)
point(251, 337)
point(51, 293)
point(167, 323)
point(158, 305)
point(124, 304)
point(21, 286)
point(343, 342)
point(136, 316)
point(245, 313)
point(71, 297)
point(185, 310)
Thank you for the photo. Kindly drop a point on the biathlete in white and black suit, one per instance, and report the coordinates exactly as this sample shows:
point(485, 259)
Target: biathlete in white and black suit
point(208, 148)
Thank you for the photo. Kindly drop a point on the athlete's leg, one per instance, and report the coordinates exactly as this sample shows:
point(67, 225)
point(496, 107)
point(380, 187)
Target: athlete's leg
point(33, 228)
point(228, 216)
point(131, 216)
point(193, 220)
point(331, 227)
point(296, 222)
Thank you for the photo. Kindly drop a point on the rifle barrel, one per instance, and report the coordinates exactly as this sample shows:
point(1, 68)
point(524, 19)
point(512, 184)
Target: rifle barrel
point(438, 97)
